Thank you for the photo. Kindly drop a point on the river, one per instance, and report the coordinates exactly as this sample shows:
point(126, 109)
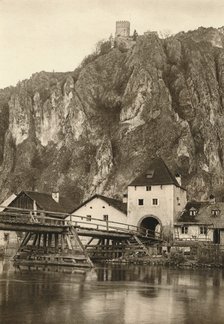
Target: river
point(110, 295)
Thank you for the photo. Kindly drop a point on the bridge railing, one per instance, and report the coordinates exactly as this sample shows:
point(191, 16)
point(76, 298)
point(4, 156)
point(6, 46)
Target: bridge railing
point(48, 218)
point(99, 224)
point(28, 216)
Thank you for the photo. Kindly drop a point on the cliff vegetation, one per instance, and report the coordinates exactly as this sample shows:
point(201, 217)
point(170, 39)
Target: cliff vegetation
point(96, 128)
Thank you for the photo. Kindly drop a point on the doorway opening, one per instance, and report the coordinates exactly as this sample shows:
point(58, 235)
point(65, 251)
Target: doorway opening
point(152, 224)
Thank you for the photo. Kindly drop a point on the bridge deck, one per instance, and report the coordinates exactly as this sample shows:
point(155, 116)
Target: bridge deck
point(39, 221)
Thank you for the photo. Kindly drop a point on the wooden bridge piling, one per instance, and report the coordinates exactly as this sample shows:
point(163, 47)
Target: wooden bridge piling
point(53, 240)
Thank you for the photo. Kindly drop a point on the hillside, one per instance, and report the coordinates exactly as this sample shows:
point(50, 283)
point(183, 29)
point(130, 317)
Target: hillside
point(95, 129)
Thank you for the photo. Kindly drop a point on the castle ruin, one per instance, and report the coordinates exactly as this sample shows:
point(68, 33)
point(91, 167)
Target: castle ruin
point(122, 28)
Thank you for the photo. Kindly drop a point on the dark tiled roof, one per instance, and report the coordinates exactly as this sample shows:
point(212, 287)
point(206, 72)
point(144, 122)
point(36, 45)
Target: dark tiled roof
point(157, 174)
point(203, 214)
point(118, 204)
point(46, 202)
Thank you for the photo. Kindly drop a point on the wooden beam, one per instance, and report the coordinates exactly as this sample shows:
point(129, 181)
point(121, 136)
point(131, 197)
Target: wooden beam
point(35, 228)
point(68, 241)
point(35, 239)
point(39, 239)
point(90, 241)
point(73, 231)
point(49, 239)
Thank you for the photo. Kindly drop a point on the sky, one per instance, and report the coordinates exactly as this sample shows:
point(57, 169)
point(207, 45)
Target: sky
point(47, 35)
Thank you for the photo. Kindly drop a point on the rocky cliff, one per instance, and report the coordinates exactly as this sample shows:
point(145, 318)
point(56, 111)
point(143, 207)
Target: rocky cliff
point(95, 129)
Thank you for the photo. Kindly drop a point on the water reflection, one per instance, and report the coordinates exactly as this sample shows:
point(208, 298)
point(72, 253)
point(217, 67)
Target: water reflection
point(112, 294)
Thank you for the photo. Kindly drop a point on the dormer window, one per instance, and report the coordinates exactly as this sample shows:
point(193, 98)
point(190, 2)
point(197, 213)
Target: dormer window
point(192, 212)
point(215, 212)
point(150, 174)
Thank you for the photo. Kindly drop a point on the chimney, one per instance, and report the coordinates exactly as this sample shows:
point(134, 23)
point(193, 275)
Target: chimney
point(212, 199)
point(178, 178)
point(125, 198)
point(55, 196)
point(34, 205)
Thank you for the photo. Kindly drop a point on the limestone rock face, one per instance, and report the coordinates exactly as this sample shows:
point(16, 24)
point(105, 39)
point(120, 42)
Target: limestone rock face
point(96, 129)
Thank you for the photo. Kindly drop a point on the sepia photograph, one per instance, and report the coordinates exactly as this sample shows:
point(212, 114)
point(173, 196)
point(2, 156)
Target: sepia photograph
point(111, 162)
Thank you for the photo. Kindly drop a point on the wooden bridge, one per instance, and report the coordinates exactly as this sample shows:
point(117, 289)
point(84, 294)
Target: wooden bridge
point(54, 238)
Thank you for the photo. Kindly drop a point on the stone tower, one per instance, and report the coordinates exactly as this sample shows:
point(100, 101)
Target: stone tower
point(122, 28)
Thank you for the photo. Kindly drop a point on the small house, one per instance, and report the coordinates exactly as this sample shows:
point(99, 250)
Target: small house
point(33, 200)
point(201, 221)
point(99, 210)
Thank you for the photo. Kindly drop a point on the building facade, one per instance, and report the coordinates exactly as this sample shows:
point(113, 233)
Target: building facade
point(98, 210)
point(153, 202)
point(155, 198)
point(32, 200)
point(201, 221)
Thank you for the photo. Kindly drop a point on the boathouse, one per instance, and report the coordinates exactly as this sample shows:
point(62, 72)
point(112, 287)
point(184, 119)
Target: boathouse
point(34, 200)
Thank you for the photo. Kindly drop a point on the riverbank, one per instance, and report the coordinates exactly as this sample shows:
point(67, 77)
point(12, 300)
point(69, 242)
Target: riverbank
point(167, 262)
point(196, 256)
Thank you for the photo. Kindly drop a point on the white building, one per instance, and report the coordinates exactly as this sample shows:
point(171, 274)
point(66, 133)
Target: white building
point(155, 198)
point(98, 210)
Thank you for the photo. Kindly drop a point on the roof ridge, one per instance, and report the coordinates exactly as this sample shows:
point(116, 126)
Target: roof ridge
point(170, 173)
point(38, 192)
point(162, 175)
point(108, 200)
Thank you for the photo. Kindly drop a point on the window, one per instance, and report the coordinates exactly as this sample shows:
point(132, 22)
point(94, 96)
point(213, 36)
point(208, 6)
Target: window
point(6, 236)
point(149, 174)
point(192, 212)
point(155, 202)
point(215, 212)
point(203, 230)
point(184, 229)
point(105, 218)
point(148, 188)
point(141, 202)
point(103, 207)
point(88, 218)
point(91, 207)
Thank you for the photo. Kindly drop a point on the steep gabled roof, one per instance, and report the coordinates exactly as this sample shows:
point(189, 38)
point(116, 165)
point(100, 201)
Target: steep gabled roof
point(204, 214)
point(46, 202)
point(157, 174)
point(118, 204)
point(7, 201)
point(185, 216)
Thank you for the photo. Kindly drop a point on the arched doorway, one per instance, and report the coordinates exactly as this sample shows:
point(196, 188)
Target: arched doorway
point(152, 224)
